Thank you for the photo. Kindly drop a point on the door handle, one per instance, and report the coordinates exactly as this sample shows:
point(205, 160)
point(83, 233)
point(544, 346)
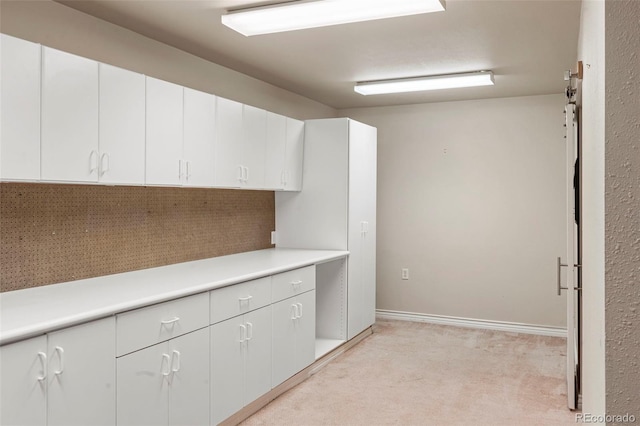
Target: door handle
point(43, 361)
point(60, 353)
point(560, 265)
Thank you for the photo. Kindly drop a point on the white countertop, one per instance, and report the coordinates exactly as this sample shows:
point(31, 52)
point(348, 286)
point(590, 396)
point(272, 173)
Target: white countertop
point(35, 311)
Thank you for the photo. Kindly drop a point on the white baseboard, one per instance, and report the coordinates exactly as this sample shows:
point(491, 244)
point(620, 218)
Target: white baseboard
point(473, 323)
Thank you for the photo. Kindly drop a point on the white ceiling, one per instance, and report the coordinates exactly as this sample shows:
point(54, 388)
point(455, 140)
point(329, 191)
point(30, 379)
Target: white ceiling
point(527, 43)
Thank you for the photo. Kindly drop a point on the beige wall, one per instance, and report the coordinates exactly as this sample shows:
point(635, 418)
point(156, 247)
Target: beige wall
point(471, 200)
point(591, 52)
point(63, 28)
point(622, 207)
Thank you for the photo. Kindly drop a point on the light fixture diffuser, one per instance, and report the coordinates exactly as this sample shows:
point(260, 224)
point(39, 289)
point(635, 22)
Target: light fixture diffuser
point(417, 84)
point(297, 15)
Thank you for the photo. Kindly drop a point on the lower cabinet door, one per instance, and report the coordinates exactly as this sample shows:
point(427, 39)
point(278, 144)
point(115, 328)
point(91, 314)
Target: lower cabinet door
point(82, 375)
point(306, 330)
point(227, 368)
point(294, 336)
point(284, 341)
point(23, 388)
point(189, 384)
point(257, 354)
point(143, 386)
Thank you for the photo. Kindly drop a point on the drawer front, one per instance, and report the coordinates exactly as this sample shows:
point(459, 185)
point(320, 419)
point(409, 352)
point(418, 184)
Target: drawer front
point(291, 283)
point(228, 302)
point(150, 325)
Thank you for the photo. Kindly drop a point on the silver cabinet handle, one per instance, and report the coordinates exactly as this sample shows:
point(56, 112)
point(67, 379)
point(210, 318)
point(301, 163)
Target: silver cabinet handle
point(559, 266)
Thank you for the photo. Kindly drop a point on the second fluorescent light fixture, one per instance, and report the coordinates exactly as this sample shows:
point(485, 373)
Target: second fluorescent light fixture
point(297, 15)
point(417, 84)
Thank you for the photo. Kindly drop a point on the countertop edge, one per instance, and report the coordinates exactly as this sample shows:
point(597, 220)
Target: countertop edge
point(38, 328)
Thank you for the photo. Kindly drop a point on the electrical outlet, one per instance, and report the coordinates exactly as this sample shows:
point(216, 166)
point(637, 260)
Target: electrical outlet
point(405, 273)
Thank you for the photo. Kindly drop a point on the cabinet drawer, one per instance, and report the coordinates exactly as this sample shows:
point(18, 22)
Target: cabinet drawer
point(291, 283)
point(150, 325)
point(237, 299)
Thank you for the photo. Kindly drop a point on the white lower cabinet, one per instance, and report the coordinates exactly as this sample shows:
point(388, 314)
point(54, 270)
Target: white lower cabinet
point(240, 362)
point(294, 326)
point(166, 384)
point(64, 378)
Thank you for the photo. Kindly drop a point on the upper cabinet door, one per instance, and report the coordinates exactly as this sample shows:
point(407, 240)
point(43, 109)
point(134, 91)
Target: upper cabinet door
point(275, 152)
point(229, 170)
point(20, 100)
point(164, 165)
point(294, 155)
point(122, 137)
point(254, 135)
point(69, 117)
point(199, 138)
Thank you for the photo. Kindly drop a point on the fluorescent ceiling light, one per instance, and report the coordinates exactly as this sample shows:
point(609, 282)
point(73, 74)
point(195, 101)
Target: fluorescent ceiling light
point(416, 84)
point(297, 15)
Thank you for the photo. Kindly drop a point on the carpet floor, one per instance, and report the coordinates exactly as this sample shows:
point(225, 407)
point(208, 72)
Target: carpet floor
point(410, 373)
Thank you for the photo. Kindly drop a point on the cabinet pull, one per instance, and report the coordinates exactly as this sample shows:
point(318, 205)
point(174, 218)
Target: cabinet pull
point(166, 358)
point(188, 164)
point(296, 283)
point(283, 178)
point(177, 357)
point(43, 362)
point(245, 299)
point(249, 331)
point(246, 174)
point(104, 169)
point(93, 161)
point(179, 169)
point(241, 170)
point(60, 353)
point(243, 333)
point(171, 321)
point(294, 312)
point(299, 310)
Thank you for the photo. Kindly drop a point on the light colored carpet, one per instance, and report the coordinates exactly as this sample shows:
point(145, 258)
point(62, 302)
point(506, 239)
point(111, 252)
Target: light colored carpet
point(410, 373)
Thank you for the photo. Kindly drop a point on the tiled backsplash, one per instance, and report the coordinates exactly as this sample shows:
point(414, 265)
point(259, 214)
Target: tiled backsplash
point(53, 233)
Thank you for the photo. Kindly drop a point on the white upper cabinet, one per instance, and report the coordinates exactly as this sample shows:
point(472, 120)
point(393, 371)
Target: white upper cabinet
point(20, 109)
point(69, 117)
point(199, 138)
point(285, 143)
point(275, 155)
point(228, 169)
point(254, 144)
point(164, 164)
point(294, 155)
point(122, 126)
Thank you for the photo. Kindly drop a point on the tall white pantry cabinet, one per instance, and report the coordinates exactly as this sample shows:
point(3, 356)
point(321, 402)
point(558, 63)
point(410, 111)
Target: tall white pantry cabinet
point(337, 208)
